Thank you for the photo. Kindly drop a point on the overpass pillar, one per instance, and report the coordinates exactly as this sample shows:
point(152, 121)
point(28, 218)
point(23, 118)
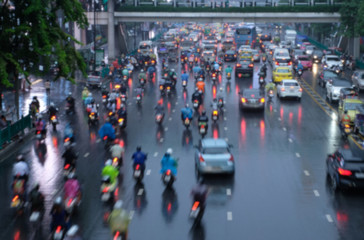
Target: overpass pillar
point(80, 35)
point(111, 31)
point(174, 3)
point(135, 3)
point(356, 47)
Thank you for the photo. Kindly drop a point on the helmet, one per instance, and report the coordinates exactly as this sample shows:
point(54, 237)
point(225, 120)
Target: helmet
point(142, 70)
point(196, 89)
point(58, 200)
point(169, 151)
point(20, 158)
point(186, 105)
point(172, 69)
point(108, 162)
point(35, 98)
point(69, 94)
point(221, 89)
point(118, 204)
point(203, 113)
point(139, 148)
point(90, 94)
point(92, 100)
point(72, 231)
point(52, 104)
point(85, 88)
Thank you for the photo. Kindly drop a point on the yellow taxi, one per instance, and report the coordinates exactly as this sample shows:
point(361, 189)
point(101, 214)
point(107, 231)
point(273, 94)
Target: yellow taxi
point(351, 105)
point(281, 73)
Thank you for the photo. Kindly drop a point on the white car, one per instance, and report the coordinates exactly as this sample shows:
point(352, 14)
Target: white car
point(333, 88)
point(329, 61)
point(358, 79)
point(289, 88)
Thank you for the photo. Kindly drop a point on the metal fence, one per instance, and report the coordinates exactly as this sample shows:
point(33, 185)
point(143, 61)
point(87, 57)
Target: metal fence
point(14, 129)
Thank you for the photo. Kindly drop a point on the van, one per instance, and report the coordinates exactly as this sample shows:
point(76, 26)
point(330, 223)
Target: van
point(280, 52)
point(145, 48)
point(290, 35)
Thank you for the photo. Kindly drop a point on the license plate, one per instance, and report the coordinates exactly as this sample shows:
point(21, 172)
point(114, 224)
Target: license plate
point(58, 235)
point(187, 121)
point(39, 136)
point(54, 120)
point(202, 130)
point(167, 178)
point(105, 197)
point(194, 213)
point(138, 98)
point(359, 175)
point(15, 203)
point(137, 173)
point(195, 104)
point(253, 101)
point(347, 130)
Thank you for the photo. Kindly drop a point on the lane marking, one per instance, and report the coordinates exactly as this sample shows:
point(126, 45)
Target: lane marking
point(225, 118)
point(131, 214)
point(306, 173)
point(298, 155)
point(173, 110)
point(148, 172)
point(176, 103)
point(226, 139)
point(225, 128)
point(290, 140)
point(86, 155)
point(129, 103)
point(229, 216)
point(155, 154)
point(98, 140)
point(170, 119)
point(36, 81)
point(329, 218)
point(279, 119)
point(228, 191)
point(161, 140)
point(140, 191)
point(317, 194)
point(284, 129)
point(165, 129)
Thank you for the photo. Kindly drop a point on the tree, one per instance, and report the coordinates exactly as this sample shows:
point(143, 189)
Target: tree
point(349, 17)
point(359, 27)
point(31, 35)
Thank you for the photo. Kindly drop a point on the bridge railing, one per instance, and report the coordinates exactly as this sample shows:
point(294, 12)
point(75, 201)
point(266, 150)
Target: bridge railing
point(14, 129)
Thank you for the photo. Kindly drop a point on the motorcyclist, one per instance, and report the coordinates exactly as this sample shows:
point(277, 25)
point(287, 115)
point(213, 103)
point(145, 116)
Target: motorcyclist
point(159, 109)
point(220, 95)
point(68, 132)
point(196, 69)
point(21, 168)
point(197, 96)
point(199, 193)
point(72, 188)
point(228, 69)
point(201, 73)
point(88, 99)
point(113, 95)
point(92, 107)
point(52, 110)
point(299, 66)
point(172, 75)
point(110, 171)
point(40, 125)
point(111, 105)
point(119, 219)
point(184, 76)
point(70, 101)
point(125, 72)
point(216, 67)
point(123, 89)
point(69, 156)
point(139, 91)
point(122, 113)
point(36, 199)
point(107, 130)
point(151, 71)
point(203, 119)
point(263, 70)
point(200, 85)
point(139, 157)
point(36, 102)
point(85, 93)
point(116, 150)
point(142, 75)
point(270, 86)
point(59, 215)
point(117, 79)
point(186, 112)
point(345, 118)
point(169, 163)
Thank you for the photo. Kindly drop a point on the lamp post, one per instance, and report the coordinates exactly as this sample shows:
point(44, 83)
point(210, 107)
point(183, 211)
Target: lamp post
point(94, 30)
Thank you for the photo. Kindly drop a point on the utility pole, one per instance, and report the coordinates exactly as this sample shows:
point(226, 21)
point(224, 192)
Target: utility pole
point(94, 30)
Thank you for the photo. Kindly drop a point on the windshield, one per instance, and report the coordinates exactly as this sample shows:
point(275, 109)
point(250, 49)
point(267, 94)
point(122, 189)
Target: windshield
point(144, 47)
point(291, 84)
point(329, 74)
point(333, 59)
point(298, 52)
point(251, 93)
point(341, 83)
point(304, 58)
point(352, 106)
point(243, 31)
point(186, 44)
point(215, 150)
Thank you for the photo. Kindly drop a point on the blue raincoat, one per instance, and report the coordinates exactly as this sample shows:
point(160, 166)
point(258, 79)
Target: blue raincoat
point(107, 130)
point(169, 163)
point(187, 113)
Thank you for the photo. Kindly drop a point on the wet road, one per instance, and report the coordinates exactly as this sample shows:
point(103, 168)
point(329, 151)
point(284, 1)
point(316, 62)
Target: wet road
point(278, 191)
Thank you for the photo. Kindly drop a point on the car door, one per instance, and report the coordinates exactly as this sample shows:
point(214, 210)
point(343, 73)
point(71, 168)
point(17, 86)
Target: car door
point(279, 87)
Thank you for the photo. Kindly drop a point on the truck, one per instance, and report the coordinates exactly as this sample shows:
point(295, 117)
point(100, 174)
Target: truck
point(290, 35)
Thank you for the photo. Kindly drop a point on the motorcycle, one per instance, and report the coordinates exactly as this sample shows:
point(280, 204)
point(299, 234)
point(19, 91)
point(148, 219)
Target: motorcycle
point(214, 77)
point(202, 128)
point(208, 68)
point(69, 109)
point(123, 97)
point(215, 115)
point(346, 130)
point(138, 174)
point(119, 235)
point(54, 122)
point(107, 189)
point(187, 122)
point(40, 137)
point(168, 89)
point(125, 78)
point(107, 142)
point(270, 95)
point(261, 82)
point(190, 65)
point(299, 72)
point(67, 170)
point(161, 89)
point(220, 103)
point(139, 99)
point(117, 162)
point(197, 211)
point(104, 99)
point(70, 204)
point(159, 118)
point(59, 233)
point(168, 178)
point(17, 202)
point(92, 119)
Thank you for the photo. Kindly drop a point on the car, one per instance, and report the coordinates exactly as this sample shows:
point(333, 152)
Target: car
point(281, 73)
point(333, 87)
point(289, 88)
point(305, 61)
point(345, 93)
point(344, 169)
point(282, 62)
point(251, 98)
point(208, 55)
point(317, 56)
point(230, 56)
point(266, 37)
point(309, 50)
point(329, 61)
point(326, 75)
point(227, 44)
point(358, 79)
point(211, 38)
point(256, 55)
point(285, 44)
point(213, 156)
point(296, 53)
point(244, 67)
point(304, 45)
point(351, 105)
point(244, 48)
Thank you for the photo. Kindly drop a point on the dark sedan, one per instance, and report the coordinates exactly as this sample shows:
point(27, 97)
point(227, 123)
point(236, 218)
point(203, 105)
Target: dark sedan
point(230, 56)
point(244, 67)
point(252, 98)
point(266, 37)
point(345, 169)
point(317, 56)
point(326, 75)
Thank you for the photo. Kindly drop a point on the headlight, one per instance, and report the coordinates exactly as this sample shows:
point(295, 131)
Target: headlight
point(315, 56)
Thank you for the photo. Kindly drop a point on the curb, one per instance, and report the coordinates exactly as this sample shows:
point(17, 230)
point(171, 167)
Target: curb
point(17, 144)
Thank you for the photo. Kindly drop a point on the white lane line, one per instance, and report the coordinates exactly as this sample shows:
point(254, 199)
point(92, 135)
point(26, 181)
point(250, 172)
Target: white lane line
point(274, 110)
point(155, 154)
point(229, 216)
point(176, 103)
point(317, 194)
point(279, 119)
point(228, 191)
point(306, 173)
point(226, 139)
point(148, 172)
point(173, 110)
point(225, 128)
point(161, 140)
point(129, 103)
point(298, 155)
point(290, 140)
point(225, 118)
point(224, 110)
point(329, 218)
point(140, 191)
point(98, 140)
point(170, 119)
point(284, 129)
point(86, 155)
point(131, 214)
point(166, 129)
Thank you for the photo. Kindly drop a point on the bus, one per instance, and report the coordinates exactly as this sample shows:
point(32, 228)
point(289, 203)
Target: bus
point(245, 35)
point(300, 39)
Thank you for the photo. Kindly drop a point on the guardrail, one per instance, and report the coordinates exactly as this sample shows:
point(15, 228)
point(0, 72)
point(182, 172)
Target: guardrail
point(13, 130)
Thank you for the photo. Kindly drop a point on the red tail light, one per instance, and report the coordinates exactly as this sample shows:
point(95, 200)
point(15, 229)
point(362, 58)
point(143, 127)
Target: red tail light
point(290, 63)
point(67, 166)
point(168, 172)
point(300, 89)
point(238, 65)
point(243, 100)
point(251, 65)
point(161, 87)
point(231, 159)
point(201, 158)
point(104, 96)
point(282, 89)
point(38, 132)
point(59, 228)
point(195, 205)
point(105, 138)
point(53, 117)
point(69, 202)
point(106, 189)
point(277, 63)
point(344, 172)
point(117, 234)
point(15, 198)
point(137, 167)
